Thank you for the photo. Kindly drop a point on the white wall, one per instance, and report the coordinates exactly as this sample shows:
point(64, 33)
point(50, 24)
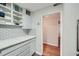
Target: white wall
point(37, 24)
point(69, 29)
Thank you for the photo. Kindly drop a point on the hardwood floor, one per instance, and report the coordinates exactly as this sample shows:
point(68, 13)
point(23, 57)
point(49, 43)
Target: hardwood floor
point(49, 50)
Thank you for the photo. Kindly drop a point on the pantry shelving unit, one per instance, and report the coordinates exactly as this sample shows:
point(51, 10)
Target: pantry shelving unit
point(12, 15)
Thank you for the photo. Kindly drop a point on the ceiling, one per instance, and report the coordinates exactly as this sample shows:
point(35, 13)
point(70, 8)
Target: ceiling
point(34, 6)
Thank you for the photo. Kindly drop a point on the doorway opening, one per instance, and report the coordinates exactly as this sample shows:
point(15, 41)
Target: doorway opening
point(51, 34)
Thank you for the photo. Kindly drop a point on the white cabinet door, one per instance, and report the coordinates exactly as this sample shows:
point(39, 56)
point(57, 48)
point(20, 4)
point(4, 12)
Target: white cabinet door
point(24, 49)
point(26, 52)
point(18, 51)
point(8, 50)
point(0, 54)
point(27, 21)
point(32, 46)
point(30, 50)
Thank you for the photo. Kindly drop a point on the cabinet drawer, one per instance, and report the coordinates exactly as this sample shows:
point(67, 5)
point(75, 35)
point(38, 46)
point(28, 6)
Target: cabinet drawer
point(26, 52)
point(19, 50)
point(0, 54)
point(9, 50)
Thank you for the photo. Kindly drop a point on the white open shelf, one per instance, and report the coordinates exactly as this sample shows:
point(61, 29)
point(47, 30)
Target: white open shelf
point(10, 14)
point(1, 18)
point(17, 12)
point(17, 16)
point(7, 13)
point(10, 24)
point(5, 7)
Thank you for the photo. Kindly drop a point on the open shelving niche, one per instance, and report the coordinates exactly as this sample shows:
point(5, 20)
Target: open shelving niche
point(11, 15)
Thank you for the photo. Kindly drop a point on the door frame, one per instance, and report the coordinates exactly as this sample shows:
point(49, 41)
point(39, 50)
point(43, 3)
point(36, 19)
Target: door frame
point(60, 28)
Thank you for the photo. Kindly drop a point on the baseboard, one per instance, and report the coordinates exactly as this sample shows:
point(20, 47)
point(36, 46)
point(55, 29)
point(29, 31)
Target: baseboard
point(49, 44)
point(39, 53)
point(33, 53)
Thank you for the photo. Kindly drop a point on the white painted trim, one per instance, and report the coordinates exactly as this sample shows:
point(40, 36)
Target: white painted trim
point(61, 18)
point(60, 11)
point(42, 33)
point(39, 53)
point(50, 44)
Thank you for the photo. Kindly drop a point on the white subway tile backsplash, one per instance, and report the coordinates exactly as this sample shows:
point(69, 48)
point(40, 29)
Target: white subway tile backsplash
point(8, 33)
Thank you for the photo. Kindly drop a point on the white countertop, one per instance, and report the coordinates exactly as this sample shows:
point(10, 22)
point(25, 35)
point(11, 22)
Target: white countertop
point(9, 42)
